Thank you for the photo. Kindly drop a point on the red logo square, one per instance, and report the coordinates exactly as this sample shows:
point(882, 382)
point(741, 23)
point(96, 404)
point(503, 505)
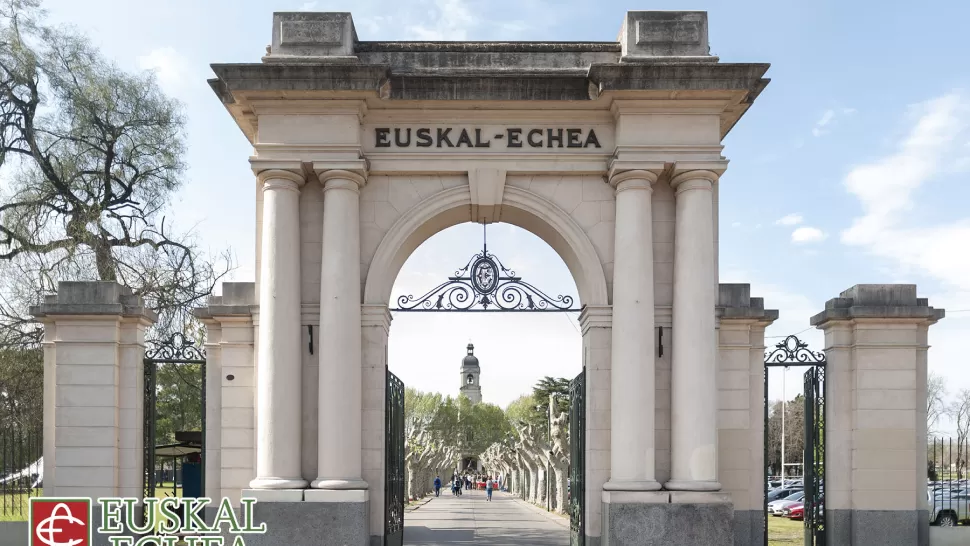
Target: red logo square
point(60, 522)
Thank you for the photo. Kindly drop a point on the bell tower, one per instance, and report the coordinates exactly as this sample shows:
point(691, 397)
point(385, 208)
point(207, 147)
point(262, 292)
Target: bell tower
point(470, 372)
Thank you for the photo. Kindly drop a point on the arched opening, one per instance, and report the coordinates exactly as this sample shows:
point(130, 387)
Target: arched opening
point(509, 404)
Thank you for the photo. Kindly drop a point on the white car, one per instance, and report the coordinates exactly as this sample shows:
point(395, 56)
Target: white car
point(775, 507)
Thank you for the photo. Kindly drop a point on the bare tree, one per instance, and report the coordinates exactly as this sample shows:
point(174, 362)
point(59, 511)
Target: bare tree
point(959, 411)
point(92, 157)
point(935, 402)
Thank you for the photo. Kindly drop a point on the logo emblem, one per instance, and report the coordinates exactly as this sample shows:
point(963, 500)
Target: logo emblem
point(60, 522)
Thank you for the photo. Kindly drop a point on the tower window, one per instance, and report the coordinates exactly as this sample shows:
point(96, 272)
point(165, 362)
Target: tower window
point(470, 379)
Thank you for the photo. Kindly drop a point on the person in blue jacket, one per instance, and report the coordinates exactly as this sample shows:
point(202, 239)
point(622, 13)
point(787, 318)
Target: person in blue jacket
point(437, 486)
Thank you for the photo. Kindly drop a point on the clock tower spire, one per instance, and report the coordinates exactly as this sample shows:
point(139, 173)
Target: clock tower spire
point(470, 372)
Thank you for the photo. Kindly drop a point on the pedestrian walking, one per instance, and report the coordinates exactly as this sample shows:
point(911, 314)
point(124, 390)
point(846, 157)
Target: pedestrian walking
point(437, 486)
point(488, 489)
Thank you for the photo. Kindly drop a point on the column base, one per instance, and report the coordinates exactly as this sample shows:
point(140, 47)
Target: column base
point(692, 485)
point(749, 528)
point(306, 523)
point(273, 495)
point(667, 519)
point(278, 483)
point(343, 484)
point(644, 485)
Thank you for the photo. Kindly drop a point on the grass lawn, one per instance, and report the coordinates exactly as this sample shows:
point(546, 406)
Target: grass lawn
point(783, 531)
point(13, 506)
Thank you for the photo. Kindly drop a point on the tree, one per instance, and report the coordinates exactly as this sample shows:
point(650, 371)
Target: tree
point(935, 401)
point(21, 390)
point(959, 411)
point(93, 157)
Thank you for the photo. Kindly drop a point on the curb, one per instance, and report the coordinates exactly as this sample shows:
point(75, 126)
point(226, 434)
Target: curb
point(561, 520)
point(419, 504)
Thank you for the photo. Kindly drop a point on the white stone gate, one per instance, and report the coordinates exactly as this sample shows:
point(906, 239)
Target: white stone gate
point(608, 151)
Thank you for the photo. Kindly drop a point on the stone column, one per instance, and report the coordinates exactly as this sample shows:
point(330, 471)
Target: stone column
point(875, 415)
point(94, 345)
point(632, 442)
point(278, 400)
point(340, 399)
point(693, 372)
point(740, 393)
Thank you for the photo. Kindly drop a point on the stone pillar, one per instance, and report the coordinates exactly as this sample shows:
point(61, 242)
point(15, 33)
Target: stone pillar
point(693, 372)
point(740, 396)
point(340, 398)
point(632, 373)
point(596, 325)
point(230, 429)
point(278, 419)
point(340, 481)
point(875, 423)
point(94, 347)
point(375, 324)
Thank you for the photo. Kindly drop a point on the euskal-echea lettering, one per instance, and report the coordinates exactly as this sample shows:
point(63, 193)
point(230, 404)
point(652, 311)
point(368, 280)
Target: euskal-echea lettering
point(513, 137)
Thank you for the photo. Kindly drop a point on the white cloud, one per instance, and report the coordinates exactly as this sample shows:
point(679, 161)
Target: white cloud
point(790, 220)
point(308, 6)
point(827, 119)
point(169, 67)
point(448, 20)
point(736, 224)
point(807, 234)
point(886, 189)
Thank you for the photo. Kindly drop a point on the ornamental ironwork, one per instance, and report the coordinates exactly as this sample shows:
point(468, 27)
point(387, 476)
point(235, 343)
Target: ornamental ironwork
point(177, 348)
point(484, 284)
point(794, 352)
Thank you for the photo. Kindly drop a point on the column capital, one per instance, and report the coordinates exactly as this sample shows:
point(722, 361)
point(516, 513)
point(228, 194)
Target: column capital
point(279, 179)
point(638, 179)
point(693, 180)
point(341, 179)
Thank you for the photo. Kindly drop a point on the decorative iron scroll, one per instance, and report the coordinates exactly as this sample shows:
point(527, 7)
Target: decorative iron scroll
point(485, 285)
point(793, 351)
point(177, 348)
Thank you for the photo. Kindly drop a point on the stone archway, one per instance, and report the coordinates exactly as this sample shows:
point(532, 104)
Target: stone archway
point(521, 208)
point(436, 212)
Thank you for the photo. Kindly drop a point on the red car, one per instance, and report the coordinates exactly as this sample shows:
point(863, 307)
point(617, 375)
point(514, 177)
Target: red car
point(796, 512)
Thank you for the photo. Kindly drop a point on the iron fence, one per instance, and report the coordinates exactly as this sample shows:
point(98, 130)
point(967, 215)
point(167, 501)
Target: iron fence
point(21, 470)
point(947, 489)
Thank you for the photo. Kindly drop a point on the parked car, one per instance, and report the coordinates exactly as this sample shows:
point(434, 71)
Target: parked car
point(781, 492)
point(795, 511)
point(948, 508)
point(775, 507)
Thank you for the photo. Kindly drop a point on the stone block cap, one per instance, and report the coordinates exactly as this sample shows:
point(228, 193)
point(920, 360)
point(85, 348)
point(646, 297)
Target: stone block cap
point(237, 299)
point(92, 298)
point(878, 301)
point(649, 35)
point(734, 301)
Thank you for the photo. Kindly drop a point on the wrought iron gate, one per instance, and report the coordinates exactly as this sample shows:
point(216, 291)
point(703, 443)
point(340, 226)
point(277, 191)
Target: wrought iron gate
point(814, 456)
point(577, 460)
point(795, 352)
point(177, 349)
point(394, 464)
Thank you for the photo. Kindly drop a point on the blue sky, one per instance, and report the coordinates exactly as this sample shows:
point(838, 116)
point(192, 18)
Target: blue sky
point(862, 141)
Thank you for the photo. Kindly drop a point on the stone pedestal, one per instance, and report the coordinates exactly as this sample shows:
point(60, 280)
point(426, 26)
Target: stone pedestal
point(740, 407)
point(667, 518)
point(875, 415)
point(94, 349)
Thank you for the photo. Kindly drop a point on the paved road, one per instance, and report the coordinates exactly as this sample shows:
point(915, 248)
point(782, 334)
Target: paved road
point(469, 519)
